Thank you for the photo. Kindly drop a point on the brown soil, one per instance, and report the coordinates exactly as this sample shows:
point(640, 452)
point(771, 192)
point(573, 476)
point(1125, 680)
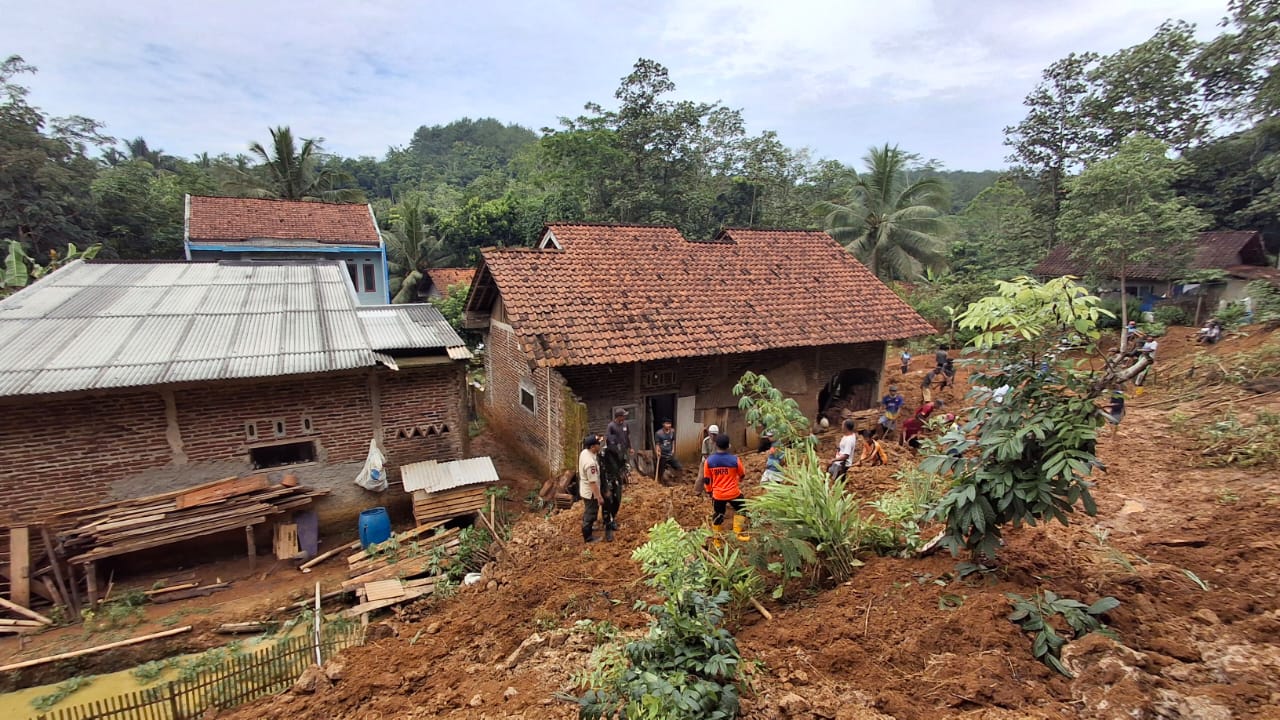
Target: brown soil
point(885, 644)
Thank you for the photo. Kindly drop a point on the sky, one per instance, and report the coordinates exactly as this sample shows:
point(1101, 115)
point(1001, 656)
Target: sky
point(940, 78)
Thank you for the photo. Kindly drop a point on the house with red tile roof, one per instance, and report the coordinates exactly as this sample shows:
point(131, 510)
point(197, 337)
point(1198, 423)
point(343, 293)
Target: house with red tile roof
point(250, 229)
point(605, 317)
point(440, 280)
point(1239, 254)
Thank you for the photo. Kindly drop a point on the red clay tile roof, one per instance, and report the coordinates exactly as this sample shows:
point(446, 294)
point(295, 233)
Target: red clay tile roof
point(224, 219)
point(618, 294)
point(1216, 250)
point(445, 278)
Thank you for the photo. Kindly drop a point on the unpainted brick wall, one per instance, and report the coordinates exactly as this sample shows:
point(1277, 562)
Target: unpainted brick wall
point(602, 387)
point(64, 452)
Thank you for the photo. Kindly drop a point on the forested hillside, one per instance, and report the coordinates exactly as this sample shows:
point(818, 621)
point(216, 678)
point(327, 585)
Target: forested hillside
point(644, 156)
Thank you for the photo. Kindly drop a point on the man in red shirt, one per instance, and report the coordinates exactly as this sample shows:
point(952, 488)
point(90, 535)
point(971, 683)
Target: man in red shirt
point(722, 475)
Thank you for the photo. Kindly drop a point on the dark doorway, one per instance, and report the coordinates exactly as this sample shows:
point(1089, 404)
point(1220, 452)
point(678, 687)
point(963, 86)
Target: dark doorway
point(854, 389)
point(661, 407)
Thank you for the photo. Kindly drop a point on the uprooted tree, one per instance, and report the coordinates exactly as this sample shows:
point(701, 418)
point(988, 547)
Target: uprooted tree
point(1026, 452)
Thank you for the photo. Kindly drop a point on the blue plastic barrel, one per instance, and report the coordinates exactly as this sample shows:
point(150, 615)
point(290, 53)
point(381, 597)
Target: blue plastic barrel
point(375, 526)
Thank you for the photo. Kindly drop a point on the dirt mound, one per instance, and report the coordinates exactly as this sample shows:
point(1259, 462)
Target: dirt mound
point(1191, 553)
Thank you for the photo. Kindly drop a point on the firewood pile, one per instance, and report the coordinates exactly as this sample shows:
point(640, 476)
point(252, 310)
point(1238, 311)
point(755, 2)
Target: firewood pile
point(555, 491)
point(138, 524)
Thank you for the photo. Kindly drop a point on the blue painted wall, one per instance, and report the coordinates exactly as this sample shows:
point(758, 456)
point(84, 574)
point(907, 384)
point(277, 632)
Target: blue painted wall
point(363, 263)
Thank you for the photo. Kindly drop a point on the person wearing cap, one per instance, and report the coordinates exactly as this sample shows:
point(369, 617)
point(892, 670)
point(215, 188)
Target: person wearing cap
point(709, 443)
point(665, 442)
point(772, 460)
point(589, 485)
point(892, 404)
point(722, 475)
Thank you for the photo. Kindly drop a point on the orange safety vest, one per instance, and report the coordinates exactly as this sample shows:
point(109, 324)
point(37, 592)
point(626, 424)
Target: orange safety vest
point(722, 472)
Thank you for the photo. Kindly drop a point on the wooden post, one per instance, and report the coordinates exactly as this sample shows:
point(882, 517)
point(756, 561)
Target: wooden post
point(91, 583)
point(253, 548)
point(60, 581)
point(20, 566)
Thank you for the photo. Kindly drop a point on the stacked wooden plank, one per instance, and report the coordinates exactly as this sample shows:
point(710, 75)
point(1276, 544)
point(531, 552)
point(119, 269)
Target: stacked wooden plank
point(408, 555)
point(137, 524)
point(445, 504)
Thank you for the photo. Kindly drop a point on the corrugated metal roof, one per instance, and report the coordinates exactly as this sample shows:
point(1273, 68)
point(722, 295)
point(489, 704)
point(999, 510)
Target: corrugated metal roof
point(431, 476)
point(96, 325)
point(401, 327)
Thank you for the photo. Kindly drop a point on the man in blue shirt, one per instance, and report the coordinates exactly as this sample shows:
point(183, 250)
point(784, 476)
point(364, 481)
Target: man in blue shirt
point(892, 404)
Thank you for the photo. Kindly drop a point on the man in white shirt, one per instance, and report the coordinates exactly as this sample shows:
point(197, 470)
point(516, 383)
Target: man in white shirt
point(844, 452)
point(1147, 351)
point(589, 485)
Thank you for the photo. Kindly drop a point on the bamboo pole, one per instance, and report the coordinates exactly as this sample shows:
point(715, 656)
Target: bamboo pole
point(92, 650)
point(25, 612)
point(306, 566)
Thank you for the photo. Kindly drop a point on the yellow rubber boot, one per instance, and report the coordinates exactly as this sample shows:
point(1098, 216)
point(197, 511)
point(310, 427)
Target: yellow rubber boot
point(717, 532)
point(740, 527)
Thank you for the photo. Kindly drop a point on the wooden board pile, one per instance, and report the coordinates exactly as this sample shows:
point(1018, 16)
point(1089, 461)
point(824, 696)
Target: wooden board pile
point(445, 504)
point(411, 554)
point(126, 526)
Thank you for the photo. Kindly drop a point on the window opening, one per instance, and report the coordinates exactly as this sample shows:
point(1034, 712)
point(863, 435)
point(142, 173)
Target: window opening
point(269, 456)
point(278, 427)
point(369, 284)
point(251, 430)
point(528, 400)
point(351, 270)
point(306, 425)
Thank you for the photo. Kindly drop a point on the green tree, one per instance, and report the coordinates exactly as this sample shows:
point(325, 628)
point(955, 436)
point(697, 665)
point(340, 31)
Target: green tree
point(1122, 211)
point(289, 172)
point(1239, 70)
point(414, 246)
point(44, 170)
point(997, 234)
point(1053, 138)
point(1236, 179)
point(894, 223)
point(1026, 459)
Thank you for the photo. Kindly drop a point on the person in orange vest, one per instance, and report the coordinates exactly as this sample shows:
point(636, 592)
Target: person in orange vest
point(722, 476)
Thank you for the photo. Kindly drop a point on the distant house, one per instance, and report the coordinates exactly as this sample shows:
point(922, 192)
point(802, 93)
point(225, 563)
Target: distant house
point(440, 280)
point(221, 228)
point(1237, 253)
point(601, 317)
point(120, 380)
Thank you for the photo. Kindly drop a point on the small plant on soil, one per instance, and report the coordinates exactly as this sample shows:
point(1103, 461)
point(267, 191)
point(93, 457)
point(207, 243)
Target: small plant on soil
point(1229, 441)
point(686, 667)
point(123, 613)
point(676, 559)
point(149, 672)
point(61, 692)
point(1035, 615)
point(1027, 458)
point(903, 510)
point(765, 407)
point(808, 519)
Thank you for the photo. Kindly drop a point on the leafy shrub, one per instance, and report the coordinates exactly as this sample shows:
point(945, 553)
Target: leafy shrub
point(1034, 615)
point(677, 560)
point(765, 407)
point(685, 668)
point(808, 518)
point(903, 510)
point(60, 693)
point(1171, 315)
point(1027, 458)
point(1231, 316)
point(687, 665)
point(1266, 301)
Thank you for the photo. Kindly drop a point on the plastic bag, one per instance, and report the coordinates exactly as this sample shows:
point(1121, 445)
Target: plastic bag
point(372, 476)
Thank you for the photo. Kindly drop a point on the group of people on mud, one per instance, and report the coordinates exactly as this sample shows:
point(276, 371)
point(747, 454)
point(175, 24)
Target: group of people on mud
point(605, 463)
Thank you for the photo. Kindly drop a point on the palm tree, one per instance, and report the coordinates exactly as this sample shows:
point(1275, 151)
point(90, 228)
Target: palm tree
point(414, 245)
point(291, 173)
point(895, 225)
point(139, 150)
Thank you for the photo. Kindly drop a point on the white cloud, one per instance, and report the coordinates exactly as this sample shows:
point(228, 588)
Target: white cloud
point(940, 76)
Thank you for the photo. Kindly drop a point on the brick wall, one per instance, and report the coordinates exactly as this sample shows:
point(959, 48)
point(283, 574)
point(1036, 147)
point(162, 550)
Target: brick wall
point(71, 451)
point(602, 387)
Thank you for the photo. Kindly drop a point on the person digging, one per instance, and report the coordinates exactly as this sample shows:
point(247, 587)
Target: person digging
point(722, 476)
